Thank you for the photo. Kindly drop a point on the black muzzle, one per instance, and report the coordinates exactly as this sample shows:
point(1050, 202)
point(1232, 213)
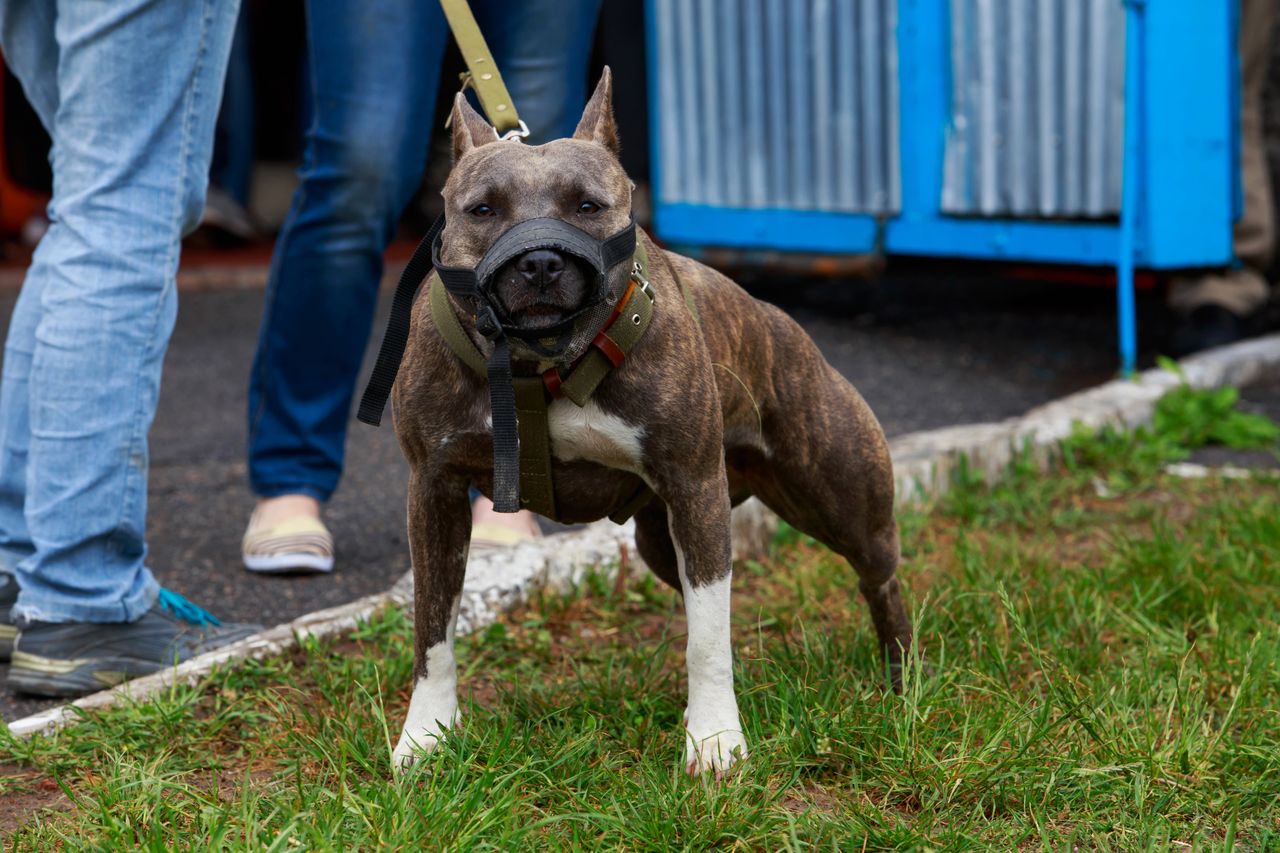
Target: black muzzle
point(476, 284)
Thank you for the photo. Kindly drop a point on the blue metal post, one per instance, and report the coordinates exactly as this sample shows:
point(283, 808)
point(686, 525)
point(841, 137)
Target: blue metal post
point(1130, 195)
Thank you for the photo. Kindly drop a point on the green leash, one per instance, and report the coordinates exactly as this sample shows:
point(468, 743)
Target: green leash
point(482, 71)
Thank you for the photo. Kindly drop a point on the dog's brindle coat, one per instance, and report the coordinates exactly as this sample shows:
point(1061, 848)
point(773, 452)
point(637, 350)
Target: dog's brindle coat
point(706, 414)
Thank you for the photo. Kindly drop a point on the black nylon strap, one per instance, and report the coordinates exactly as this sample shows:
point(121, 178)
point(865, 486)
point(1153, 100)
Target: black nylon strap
point(506, 438)
point(620, 247)
point(460, 281)
point(397, 333)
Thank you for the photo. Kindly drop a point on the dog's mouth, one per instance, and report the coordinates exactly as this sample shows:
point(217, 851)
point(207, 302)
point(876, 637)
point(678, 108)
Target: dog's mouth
point(539, 315)
point(534, 299)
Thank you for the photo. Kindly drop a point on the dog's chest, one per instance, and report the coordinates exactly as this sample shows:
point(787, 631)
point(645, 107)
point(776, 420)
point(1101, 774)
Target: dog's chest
point(591, 434)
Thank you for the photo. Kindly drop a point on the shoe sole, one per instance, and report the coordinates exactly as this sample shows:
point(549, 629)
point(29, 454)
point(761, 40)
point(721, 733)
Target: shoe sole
point(57, 678)
point(8, 633)
point(275, 564)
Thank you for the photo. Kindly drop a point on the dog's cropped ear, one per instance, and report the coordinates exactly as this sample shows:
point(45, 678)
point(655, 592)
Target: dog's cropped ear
point(597, 123)
point(469, 128)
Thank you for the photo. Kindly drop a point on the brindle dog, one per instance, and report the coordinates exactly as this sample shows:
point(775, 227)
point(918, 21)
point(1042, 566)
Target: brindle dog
point(706, 414)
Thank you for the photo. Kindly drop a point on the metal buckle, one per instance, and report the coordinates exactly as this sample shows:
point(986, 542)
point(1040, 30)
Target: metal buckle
point(518, 134)
point(639, 279)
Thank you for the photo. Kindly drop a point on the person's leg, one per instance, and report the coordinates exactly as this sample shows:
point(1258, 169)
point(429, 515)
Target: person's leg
point(542, 48)
point(374, 68)
point(1215, 307)
point(131, 136)
point(15, 441)
point(1255, 232)
point(31, 52)
point(232, 167)
point(231, 173)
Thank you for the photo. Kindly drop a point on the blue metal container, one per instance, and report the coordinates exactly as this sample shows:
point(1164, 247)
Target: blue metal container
point(1096, 132)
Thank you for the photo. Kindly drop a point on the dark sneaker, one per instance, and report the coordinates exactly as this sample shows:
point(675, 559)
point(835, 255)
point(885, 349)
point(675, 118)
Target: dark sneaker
point(73, 658)
point(8, 631)
point(1206, 327)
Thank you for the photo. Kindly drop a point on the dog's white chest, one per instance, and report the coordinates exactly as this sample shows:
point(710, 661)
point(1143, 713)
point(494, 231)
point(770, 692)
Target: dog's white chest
point(593, 435)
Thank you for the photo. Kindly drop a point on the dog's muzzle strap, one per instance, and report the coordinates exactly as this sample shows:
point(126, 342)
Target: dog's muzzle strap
point(506, 435)
point(396, 336)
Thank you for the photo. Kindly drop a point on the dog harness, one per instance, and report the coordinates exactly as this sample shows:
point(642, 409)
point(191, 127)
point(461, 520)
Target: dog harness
point(533, 394)
point(576, 382)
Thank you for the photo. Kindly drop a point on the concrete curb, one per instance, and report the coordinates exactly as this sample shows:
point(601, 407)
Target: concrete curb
point(923, 462)
point(499, 580)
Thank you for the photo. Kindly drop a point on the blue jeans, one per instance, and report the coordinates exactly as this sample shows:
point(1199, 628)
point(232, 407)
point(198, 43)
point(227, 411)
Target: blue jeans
point(128, 90)
point(375, 67)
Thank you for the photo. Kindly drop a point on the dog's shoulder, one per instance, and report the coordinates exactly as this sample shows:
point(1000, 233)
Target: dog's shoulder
point(430, 373)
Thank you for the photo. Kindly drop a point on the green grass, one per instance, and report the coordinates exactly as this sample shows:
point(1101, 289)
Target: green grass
point(1101, 672)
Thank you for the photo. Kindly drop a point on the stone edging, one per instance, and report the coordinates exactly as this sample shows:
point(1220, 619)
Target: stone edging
point(500, 579)
point(924, 461)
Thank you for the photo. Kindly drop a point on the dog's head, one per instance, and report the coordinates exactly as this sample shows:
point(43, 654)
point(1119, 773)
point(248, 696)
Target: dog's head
point(495, 185)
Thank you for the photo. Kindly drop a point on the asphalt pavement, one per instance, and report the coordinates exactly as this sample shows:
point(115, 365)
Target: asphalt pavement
point(926, 350)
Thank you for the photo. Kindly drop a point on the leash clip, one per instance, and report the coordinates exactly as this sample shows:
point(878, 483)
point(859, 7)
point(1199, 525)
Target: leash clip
point(638, 278)
point(517, 134)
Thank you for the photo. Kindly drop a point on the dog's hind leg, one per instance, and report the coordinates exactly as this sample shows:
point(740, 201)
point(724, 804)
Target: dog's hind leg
point(439, 536)
point(870, 545)
point(830, 476)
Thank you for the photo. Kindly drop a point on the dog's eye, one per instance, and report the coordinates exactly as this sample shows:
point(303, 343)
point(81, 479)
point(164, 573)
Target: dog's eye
point(588, 207)
point(482, 211)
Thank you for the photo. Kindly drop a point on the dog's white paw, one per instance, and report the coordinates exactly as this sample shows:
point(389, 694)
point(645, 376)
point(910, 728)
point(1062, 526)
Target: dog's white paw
point(714, 751)
point(432, 711)
point(406, 753)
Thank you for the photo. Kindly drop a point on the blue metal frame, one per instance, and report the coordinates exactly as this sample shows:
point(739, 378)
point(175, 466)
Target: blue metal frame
point(1134, 151)
point(1181, 193)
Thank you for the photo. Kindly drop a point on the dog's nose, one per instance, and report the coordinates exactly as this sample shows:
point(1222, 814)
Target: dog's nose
point(541, 267)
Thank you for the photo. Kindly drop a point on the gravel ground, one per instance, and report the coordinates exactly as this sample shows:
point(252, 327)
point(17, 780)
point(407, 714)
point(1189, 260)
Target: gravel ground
point(925, 350)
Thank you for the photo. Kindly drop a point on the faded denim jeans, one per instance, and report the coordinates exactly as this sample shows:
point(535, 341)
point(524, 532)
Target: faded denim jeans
point(129, 92)
point(375, 66)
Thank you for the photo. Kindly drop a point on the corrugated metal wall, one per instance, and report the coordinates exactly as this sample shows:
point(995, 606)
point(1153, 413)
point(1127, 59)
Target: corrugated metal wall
point(1037, 124)
point(789, 104)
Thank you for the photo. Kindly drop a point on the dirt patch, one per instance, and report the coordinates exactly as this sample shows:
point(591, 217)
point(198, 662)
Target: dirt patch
point(802, 799)
point(26, 795)
point(227, 783)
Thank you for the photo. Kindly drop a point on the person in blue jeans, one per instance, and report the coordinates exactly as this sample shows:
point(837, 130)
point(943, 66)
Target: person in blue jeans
point(128, 91)
point(375, 67)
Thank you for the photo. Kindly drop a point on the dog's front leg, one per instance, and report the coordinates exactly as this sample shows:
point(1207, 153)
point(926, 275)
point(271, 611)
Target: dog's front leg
point(439, 535)
point(698, 515)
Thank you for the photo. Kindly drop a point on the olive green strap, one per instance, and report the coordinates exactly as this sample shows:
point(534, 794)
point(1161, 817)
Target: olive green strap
point(536, 492)
point(594, 366)
point(484, 75)
point(451, 329)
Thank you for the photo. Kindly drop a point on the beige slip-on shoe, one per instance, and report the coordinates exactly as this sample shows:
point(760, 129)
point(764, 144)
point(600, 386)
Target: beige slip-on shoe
point(490, 534)
point(298, 544)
